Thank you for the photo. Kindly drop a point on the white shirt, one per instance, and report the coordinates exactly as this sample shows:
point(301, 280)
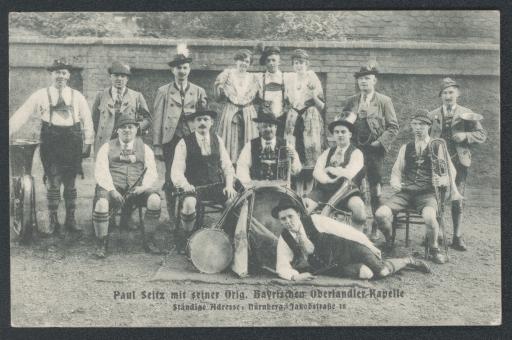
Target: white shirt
point(37, 104)
point(275, 97)
point(244, 163)
point(398, 168)
point(324, 225)
point(179, 164)
point(353, 167)
point(102, 169)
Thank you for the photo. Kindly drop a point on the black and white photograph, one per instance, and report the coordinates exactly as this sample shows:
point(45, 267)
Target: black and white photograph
point(248, 169)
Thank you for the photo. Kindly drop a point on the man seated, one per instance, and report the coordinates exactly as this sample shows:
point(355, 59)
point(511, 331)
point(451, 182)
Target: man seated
point(201, 170)
point(259, 159)
point(318, 244)
point(413, 182)
point(122, 183)
point(337, 165)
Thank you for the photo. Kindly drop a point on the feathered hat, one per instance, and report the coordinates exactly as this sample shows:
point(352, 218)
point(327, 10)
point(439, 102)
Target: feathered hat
point(266, 51)
point(370, 68)
point(181, 57)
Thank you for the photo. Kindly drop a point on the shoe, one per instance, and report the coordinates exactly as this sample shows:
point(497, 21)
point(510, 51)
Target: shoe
point(151, 248)
point(101, 250)
point(436, 256)
point(420, 266)
point(459, 244)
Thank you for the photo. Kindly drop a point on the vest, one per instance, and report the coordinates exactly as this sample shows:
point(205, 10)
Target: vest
point(125, 174)
point(346, 159)
point(266, 170)
point(202, 170)
point(417, 170)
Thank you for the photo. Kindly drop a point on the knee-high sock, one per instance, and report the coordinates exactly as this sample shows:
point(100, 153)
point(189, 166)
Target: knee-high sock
point(53, 196)
point(151, 218)
point(456, 217)
point(70, 196)
point(100, 222)
point(188, 221)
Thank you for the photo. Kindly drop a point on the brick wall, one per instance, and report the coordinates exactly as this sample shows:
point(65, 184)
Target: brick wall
point(410, 71)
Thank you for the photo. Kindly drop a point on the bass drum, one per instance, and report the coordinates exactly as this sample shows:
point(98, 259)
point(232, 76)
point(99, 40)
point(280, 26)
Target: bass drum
point(210, 250)
point(264, 230)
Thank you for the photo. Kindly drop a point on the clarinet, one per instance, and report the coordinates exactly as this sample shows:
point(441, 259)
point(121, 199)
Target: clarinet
point(127, 194)
point(198, 188)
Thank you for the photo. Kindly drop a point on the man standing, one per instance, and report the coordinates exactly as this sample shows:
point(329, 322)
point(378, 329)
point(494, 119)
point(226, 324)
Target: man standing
point(413, 182)
point(272, 91)
point(174, 103)
point(259, 158)
point(315, 243)
point(62, 111)
point(122, 183)
point(115, 101)
point(336, 165)
point(201, 170)
point(460, 128)
point(375, 129)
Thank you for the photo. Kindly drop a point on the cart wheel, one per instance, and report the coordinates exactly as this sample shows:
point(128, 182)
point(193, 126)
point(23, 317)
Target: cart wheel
point(23, 205)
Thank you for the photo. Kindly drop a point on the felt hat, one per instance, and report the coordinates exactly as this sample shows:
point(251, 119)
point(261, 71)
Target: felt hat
point(268, 51)
point(283, 204)
point(300, 54)
point(181, 57)
point(60, 64)
point(370, 68)
point(447, 82)
point(422, 115)
point(470, 115)
point(265, 116)
point(198, 113)
point(348, 119)
point(119, 68)
point(126, 119)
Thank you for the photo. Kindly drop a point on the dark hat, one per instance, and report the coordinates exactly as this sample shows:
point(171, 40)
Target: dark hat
point(422, 115)
point(347, 119)
point(60, 64)
point(300, 54)
point(181, 57)
point(447, 82)
point(370, 68)
point(198, 113)
point(119, 68)
point(283, 204)
point(265, 116)
point(269, 50)
point(126, 119)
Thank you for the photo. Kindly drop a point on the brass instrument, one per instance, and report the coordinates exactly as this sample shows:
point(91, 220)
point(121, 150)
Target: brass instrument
point(442, 167)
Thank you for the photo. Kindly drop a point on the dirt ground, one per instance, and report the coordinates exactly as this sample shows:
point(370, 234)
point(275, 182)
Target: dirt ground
point(60, 283)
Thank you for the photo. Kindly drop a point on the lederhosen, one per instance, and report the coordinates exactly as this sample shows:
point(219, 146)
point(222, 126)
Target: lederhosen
point(320, 191)
point(281, 119)
point(61, 146)
point(329, 250)
point(265, 166)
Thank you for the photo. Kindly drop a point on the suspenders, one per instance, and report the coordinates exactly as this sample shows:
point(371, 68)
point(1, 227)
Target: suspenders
point(51, 109)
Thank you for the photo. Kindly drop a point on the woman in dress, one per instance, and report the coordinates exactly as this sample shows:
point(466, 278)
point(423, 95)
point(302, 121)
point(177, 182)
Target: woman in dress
point(304, 124)
point(236, 89)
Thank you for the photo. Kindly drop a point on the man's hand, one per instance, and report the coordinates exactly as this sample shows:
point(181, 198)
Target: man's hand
point(86, 151)
point(230, 192)
point(188, 188)
point(303, 277)
point(375, 144)
point(439, 181)
point(138, 190)
point(159, 153)
point(117, 197)
point(333, 171)
point(459, 137)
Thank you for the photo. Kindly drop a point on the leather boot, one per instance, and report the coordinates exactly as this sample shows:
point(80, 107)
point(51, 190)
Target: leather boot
point(55, 225)
point(101, 248)
point(180, 241)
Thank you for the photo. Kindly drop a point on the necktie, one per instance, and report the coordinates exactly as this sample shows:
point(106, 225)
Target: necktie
point(448, 109)
point(60, 100)
point(268, 147)
point(119, 97)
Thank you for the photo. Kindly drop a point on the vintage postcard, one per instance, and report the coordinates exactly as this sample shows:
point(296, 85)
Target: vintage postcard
point(280, 168)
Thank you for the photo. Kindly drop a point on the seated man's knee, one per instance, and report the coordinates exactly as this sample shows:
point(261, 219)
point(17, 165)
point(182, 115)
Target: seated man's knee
point(358, 209)
point(429, 215)
point(189, 205)
point(365, 272)
point(101, 205)
point(154, 202)
point(383, 213)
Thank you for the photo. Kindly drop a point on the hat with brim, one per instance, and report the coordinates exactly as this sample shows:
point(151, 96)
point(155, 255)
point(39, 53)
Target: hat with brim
point(448, 82)
point(179, 59)
point(300, 54)
point(468, 115)
point(119, 68)
point(366, 70)
point(199, 113)
point(422, 115)
point(59, 64)
point(283, 204)
point(126, 119)
point(264, 117)
point(346, 119)
point(268, 51)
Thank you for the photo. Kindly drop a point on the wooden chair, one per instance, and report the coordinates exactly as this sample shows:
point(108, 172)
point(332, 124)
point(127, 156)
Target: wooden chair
point(406, 217)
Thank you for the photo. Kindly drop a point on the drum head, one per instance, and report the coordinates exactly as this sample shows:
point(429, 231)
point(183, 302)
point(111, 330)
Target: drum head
point(210, 250)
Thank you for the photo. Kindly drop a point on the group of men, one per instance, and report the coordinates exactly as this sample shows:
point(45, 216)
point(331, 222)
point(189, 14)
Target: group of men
point(198, 167)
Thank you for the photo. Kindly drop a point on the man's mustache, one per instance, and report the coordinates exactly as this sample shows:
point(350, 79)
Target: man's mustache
point(202, 126)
